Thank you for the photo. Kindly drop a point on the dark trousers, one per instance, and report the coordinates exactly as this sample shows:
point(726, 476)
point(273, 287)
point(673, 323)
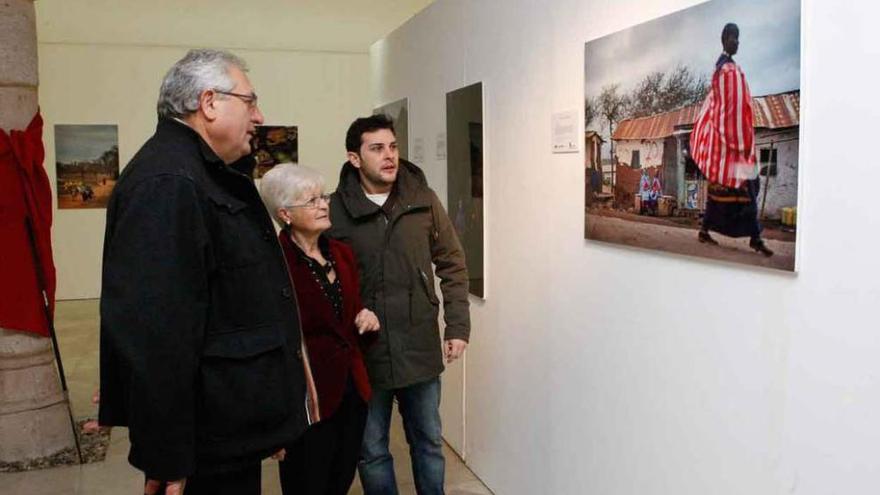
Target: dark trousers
point(242, 482)
point(323, 460)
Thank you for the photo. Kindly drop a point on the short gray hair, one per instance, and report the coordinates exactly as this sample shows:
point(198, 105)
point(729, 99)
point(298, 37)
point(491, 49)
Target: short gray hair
point(285, 184)
point(198, 71)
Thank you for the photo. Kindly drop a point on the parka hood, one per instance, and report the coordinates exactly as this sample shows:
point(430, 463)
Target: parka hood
point(411, 188)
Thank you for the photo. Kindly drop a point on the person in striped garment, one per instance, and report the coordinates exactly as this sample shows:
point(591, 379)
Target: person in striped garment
point(723, 146)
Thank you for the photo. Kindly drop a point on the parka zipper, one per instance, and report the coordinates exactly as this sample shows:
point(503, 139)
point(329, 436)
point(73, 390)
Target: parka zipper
point(389, 230)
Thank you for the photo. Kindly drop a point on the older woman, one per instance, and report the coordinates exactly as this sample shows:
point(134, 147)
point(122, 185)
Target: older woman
point(335, 325)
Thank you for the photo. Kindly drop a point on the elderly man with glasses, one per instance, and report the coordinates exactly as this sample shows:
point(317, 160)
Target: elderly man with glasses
point(201, 347)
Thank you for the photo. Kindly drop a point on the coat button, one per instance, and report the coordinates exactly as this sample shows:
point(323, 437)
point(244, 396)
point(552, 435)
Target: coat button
point(299, 354)
point(285, 292)
point(267, 235)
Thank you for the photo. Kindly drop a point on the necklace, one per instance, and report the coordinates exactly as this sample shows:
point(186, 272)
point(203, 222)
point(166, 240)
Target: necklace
point(326, 268)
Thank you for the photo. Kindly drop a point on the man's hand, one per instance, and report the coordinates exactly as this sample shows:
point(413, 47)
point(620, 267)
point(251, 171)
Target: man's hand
point(171, 487)
point(366, 321)
point(280, 455)
point(453, 349)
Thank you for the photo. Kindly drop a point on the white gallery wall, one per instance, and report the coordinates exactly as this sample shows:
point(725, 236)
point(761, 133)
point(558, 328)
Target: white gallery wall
point(105, 84)
point(101, 62)
point(600, 369)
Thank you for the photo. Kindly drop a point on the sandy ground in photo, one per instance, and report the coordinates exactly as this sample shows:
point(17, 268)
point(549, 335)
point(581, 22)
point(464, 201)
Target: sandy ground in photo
point(102, 197)
point(683, 240)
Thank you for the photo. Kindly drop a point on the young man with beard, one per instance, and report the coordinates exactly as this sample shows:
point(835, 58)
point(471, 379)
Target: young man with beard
point(398, 229)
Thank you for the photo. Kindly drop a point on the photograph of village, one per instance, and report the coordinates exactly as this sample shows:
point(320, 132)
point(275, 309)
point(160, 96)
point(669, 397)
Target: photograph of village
point(86, 165)
point(722, 78)
point(274, 144)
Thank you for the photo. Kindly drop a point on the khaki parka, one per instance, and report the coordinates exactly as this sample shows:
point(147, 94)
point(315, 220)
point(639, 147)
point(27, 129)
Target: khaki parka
point(395, 247)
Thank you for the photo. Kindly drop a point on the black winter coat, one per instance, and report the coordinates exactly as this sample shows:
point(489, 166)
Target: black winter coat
point(200, 333)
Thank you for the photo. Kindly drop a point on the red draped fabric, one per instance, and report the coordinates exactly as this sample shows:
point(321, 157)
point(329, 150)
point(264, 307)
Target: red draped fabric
point(25, 197)
point(723, 139)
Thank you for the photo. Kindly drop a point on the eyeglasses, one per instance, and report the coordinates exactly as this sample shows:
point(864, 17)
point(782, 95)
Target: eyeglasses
point(312, 203)
point(250, 100)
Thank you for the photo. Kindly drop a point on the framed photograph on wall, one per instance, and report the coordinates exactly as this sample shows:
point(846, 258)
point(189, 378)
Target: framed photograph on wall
point(274, 144)
point(86, 165)
point(464, 172)
point(692, 131)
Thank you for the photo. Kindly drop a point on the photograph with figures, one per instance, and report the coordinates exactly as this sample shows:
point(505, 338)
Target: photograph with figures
point(692, 125)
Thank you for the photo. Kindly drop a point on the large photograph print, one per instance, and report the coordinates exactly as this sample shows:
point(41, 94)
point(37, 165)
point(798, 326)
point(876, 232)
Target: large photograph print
point(692, 125)
point(274, 144)
point(86, 165)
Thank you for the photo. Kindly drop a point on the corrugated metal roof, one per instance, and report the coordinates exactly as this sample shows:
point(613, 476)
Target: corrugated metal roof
point(771, 112)
point(777, 111)
point(656, 126)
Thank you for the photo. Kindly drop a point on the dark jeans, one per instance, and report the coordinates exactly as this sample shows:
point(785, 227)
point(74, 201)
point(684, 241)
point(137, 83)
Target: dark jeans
point(323, 460)
point(419, 407)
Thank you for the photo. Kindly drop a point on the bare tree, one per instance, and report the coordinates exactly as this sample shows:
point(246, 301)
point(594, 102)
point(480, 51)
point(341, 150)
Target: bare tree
point(612, 106)
point(682, 88)
point(646, 98)
point(660, 92)
point(591, 111)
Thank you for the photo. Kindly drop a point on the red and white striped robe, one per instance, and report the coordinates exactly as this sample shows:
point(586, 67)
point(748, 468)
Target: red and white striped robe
point(723, 139)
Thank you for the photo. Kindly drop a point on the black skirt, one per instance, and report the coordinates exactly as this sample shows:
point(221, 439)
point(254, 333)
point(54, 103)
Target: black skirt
point(733, 211)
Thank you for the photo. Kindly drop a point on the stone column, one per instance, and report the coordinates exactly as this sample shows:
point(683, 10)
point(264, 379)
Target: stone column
point(34, 420)
point(18, 64)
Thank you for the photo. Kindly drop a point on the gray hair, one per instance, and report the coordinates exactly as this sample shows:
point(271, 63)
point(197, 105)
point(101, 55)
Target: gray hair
point(199, 70)
point(285, 184)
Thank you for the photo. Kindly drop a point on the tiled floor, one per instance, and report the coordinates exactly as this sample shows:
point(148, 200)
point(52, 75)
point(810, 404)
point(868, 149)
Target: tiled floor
point(77, 327)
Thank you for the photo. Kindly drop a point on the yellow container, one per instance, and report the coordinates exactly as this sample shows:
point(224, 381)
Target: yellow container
point(789, 216)
point(667, 206)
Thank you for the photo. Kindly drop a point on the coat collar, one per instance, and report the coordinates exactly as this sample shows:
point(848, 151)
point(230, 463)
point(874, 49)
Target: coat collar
point(410, 189)
point(723, 60)
point(299, 256)
point(177, 129)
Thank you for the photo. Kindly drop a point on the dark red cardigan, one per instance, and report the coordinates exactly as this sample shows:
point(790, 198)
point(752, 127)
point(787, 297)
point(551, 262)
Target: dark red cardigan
point(334, 346)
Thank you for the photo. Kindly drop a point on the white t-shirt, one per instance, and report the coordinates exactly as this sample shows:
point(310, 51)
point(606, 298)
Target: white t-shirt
point(379, 199)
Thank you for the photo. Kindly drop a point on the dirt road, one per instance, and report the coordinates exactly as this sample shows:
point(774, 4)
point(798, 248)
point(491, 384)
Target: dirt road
point(684, 241)
point(102, 196)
